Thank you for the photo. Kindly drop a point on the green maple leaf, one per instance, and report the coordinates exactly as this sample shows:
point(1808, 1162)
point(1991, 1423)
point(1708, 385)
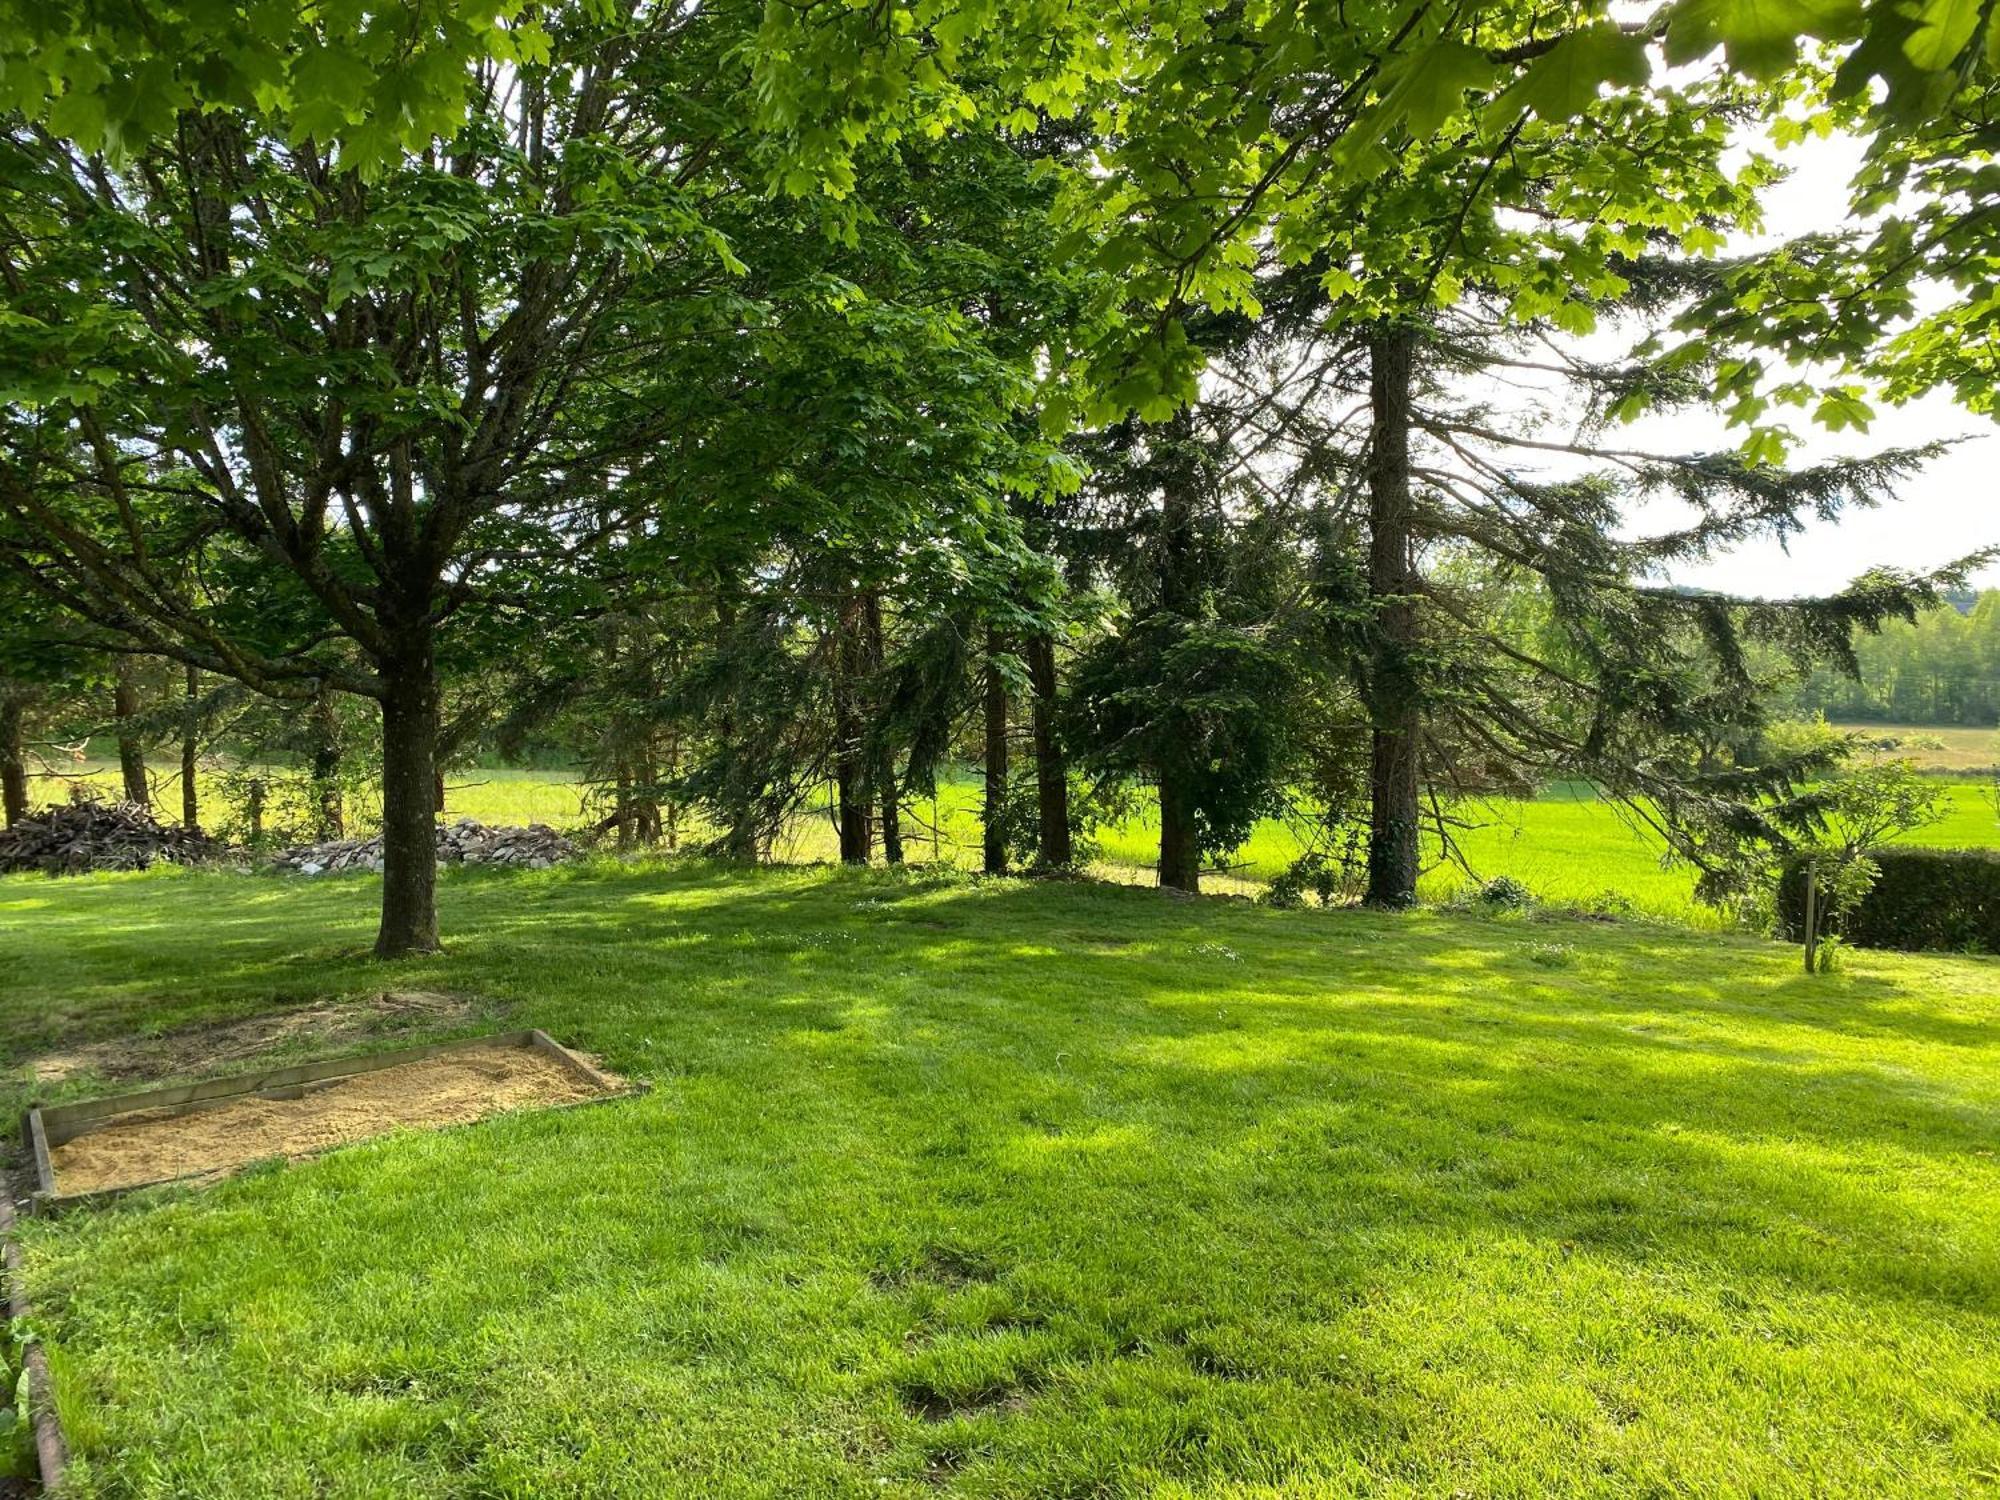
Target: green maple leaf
point(1424, 89)
point(1760, 37)
point(1943, 29)
point(1562, 82)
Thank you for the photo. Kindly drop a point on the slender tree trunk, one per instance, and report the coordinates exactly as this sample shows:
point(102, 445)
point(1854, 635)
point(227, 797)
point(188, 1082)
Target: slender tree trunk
point(1812, 921)
point(622, 790)
point(646, 773)
point(410, 800)
point(330, 807)
point(670, 808)
point(892, 812)
point(1180, 850)
point(1395, 770)
point(850, 773)
point(882, 759)
point(131, 751)
point(1051, 766)
point(437, 784)
point(739, 841)
point(995, 812)
point(190, 748)
point(646, 806)
point(13, 753)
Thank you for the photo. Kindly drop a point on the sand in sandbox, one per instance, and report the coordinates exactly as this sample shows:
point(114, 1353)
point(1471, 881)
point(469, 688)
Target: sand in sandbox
point(210, 1139)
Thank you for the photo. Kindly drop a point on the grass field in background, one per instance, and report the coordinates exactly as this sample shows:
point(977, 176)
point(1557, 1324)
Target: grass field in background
point(1946, 750)
point(1567, 846)
point(1023, 1191)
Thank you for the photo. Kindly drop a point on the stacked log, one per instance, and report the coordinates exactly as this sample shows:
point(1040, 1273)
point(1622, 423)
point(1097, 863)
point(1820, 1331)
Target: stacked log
point(534, 847)
point(85, 835)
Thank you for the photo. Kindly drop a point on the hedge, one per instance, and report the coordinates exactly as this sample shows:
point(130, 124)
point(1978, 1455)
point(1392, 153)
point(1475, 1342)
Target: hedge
point(1945, 900)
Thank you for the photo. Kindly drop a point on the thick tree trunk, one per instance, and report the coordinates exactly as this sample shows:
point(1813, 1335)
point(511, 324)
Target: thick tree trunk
point(1051, 767)
point(190, 747)
point(1180, 851)
point(13, 754)
point(409, 802)
point(995, 811)
point(330, 808)
point(1394, 704)
point(131, 751)
point(850, 773)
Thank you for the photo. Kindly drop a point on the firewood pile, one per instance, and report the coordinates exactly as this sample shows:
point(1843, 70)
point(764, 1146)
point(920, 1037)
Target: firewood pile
point(89, 835)
point(535, 847)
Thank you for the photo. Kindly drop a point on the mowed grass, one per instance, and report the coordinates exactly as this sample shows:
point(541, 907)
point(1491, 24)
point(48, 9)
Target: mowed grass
point(1568, 846)
point(954, 1187)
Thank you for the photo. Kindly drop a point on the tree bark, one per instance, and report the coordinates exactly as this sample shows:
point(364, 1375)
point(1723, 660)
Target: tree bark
point(1180, 849)
point(13, 754)
point(882, 758)
point(1180, 852)
point(995, 810)
point(330, 808)
point(621, 791)
point(190, 748)
point(645, 805)
point(1395, 772)
point(739, 840)
point(849, 752)
point(409, 800)
point(1052, 838)
point(125, 706)
point(1812, 921)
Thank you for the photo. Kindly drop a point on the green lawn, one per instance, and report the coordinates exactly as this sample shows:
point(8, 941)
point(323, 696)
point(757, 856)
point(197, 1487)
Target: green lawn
point(1566, 846)
point(1001, 1189)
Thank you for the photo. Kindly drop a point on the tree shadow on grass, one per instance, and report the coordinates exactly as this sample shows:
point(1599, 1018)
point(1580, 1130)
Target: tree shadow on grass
point(1190, 1149)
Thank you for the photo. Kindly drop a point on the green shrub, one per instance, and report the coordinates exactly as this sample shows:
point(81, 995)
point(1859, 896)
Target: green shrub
point(1943, 900)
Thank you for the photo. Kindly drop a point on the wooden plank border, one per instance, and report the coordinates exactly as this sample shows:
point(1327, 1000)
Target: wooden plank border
point(51, 1447)
point(48, 1126)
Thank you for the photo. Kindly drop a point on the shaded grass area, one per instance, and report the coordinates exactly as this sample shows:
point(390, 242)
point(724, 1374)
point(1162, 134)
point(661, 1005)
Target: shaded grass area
point(999, 1189)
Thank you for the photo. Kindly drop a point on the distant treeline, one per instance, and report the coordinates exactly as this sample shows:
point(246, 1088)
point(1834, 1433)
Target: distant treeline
point(1944, 669)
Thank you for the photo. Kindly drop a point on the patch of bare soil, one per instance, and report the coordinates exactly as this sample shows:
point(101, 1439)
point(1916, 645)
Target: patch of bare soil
point(219, 1137)
point(212, 1049)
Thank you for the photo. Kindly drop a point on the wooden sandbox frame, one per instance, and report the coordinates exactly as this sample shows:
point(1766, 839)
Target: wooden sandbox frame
point(50, 1125)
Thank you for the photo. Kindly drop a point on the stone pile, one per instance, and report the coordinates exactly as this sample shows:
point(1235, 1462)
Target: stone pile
point(535, 847)
point(89, 835)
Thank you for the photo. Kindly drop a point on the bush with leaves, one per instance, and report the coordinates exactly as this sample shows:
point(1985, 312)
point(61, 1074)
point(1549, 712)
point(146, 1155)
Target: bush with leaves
point(1857, 809)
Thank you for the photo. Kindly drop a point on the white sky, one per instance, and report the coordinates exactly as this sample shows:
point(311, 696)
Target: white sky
point(1942, 514)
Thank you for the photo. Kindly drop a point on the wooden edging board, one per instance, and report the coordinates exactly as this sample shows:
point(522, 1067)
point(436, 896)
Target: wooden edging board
point(49, 1126)
point(51, 1449)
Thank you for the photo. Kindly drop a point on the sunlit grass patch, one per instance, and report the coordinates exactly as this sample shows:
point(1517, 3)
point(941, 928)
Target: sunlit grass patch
point(1006, 1189)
